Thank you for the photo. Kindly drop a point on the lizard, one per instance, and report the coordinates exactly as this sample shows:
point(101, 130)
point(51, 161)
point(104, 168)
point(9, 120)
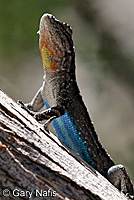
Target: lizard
point(64, 105)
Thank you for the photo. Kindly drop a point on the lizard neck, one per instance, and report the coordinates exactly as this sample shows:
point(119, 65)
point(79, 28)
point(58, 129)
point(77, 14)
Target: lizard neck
point(62, 86)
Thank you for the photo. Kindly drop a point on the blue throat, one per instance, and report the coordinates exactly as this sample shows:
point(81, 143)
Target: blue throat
point(66, 131)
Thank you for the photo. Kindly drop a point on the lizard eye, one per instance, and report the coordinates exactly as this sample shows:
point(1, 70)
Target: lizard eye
point(38, 32)
point(68, 28)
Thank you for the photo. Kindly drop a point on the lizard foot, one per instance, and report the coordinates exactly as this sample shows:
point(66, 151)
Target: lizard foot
point(129, 196)
point(26, 107)
point(118, 176)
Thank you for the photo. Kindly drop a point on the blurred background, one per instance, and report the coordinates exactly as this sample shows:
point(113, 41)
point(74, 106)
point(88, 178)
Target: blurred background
point(103, 37)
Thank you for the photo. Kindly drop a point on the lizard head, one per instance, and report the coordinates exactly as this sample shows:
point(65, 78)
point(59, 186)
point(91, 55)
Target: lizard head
point(56, 45)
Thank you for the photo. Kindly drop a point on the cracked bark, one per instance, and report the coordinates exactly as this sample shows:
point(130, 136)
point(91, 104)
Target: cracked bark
point(33, 159)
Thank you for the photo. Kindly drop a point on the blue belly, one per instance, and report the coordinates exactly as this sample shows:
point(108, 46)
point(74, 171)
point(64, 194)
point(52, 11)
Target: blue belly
point(66, 131)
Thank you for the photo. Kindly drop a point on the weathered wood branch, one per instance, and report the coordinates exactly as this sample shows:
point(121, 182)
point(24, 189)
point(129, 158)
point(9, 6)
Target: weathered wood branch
point(34, 160)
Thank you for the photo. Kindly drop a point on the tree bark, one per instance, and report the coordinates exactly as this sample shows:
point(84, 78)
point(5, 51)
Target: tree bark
point(35, 165)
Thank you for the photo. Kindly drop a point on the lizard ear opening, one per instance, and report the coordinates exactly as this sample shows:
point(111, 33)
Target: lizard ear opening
point(68, 28)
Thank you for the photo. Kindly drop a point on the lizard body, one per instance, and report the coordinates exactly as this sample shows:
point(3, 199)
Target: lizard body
point(60, 94)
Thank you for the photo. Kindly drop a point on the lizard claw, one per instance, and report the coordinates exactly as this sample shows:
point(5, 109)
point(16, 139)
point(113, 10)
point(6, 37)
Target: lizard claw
point(20, 103)
point(49, 120)
point(26, 107)
point(47, 123)
point(37, 116)
point(129, 196)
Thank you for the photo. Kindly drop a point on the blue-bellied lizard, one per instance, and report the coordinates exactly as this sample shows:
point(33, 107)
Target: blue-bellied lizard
point(65, 108)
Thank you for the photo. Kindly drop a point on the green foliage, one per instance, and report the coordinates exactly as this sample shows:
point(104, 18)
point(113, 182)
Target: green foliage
point(19, 22)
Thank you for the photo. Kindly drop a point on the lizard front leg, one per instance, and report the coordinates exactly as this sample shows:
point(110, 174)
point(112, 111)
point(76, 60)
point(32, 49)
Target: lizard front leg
point(37, 103)
point(50, 113)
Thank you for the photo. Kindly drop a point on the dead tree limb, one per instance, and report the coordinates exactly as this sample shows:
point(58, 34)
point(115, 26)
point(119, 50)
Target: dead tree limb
point(34, 160)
